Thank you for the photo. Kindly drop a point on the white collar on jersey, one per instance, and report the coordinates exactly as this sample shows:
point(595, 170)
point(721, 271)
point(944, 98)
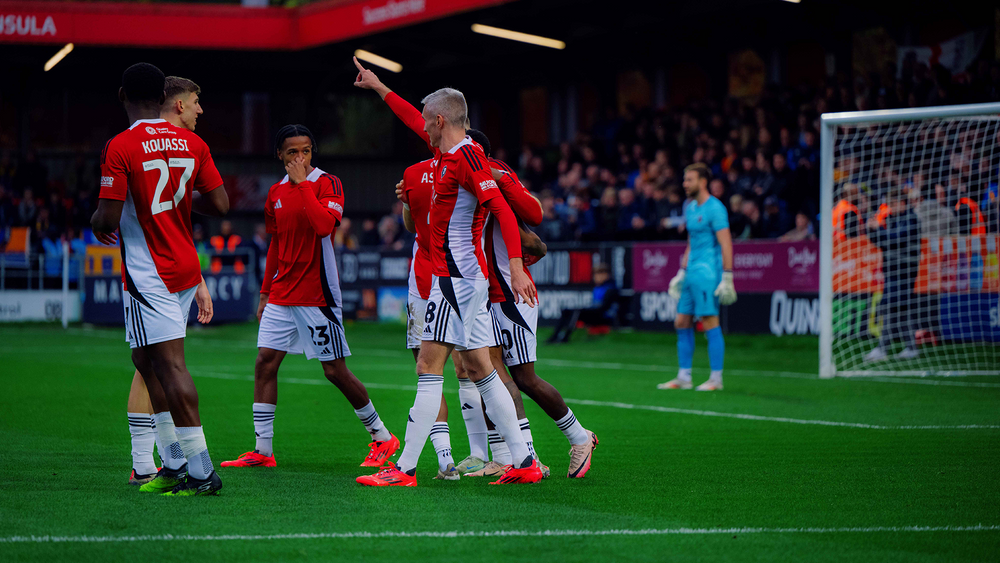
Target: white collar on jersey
point(312, 177)
point(466, 141)
point(138, 121)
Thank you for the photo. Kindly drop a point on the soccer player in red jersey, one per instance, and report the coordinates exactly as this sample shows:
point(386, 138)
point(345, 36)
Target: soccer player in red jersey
point(148, 174)
point(181, 108)
point(300, 306)
point(457, 315)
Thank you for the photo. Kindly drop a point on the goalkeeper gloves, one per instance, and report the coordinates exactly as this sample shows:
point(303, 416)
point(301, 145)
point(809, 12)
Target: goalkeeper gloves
point(676, 284)
point(725, 292)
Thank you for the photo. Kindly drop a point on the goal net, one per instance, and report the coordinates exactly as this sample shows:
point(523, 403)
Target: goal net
point(910, 275)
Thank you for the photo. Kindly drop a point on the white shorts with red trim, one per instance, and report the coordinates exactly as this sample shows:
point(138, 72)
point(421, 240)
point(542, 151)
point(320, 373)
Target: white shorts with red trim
point(458, 313)
point(316, 331)
point(155, 316)
point(517, 325)
point(416, 309)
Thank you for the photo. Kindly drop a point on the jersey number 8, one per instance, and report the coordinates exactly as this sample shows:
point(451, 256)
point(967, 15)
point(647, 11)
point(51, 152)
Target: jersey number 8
point(164, 167)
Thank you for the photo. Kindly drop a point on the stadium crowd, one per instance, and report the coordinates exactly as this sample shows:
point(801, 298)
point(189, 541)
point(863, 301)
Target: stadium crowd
point(617, 181)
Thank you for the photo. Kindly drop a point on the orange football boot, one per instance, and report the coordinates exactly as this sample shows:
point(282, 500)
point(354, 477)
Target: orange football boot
point(389, 476)
point(251, 459)
point(380, 452)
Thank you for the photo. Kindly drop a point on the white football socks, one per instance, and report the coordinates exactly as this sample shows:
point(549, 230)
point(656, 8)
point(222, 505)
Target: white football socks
point(684, 374)
point(140, 426)
point(373, 424)
point(171, 453)
point(500, 407)
point(526, 434)
point(192, 440)
point(499, 449)
point(472, 414)
point(572, 429)
point(441, 439)
point(422, 416)
point(263, 427)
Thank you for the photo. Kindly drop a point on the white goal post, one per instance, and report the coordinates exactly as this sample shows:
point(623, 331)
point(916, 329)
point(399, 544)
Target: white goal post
point(909, 242)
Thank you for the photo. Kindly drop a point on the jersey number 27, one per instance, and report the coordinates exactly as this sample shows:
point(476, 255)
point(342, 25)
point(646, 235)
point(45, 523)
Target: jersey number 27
point(164, 167)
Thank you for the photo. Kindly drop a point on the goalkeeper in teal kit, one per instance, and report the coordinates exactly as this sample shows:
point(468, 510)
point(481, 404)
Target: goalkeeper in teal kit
point(704, 280)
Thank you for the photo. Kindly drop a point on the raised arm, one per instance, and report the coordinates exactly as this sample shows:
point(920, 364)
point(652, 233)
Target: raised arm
point(323, 219)
point(524, 205)
point(409, 115)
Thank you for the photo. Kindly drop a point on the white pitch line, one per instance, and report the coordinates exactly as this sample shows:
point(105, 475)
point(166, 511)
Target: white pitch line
point(499, 534)
point(628, 406)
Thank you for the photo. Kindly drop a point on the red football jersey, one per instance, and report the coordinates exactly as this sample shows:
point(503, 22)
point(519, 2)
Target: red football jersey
point(528, 210)
point(462, 181)
point(153, 167)
point(307, 266)
point(418, 183)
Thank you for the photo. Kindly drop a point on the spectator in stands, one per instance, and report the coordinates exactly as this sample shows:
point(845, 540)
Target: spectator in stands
point(57, 212)
point(369, 233)
point(898, 237)
point(780, 185)
point(936, 219)
point(750, 223)
point(631, 216)
point(601, 313)
point(763, 185)
point(774, 222)
point(388, 233)
point(43, 229)
point(27, 210)
point(669, 212)
point(747, 176)
point(7, 213)
point(345, 239)
point(552, 228)
point(803, 230)
point(581, 218)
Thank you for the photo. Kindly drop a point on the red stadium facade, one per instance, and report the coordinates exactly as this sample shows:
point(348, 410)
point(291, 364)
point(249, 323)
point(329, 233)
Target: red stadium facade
point(199, 26)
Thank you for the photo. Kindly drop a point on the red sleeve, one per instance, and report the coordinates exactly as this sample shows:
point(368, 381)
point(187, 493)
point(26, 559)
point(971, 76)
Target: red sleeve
point(269, 222)
point(208, 175)
point(508, 225)
point(114, 171)
point(409, 115)
point(322, 218)
point(521, 202)
point(331, 195)
point(270, 266)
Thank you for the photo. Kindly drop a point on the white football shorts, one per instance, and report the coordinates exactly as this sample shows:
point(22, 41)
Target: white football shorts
point(316, 331)
point(458, 313)
point(156, 316)
point(516, 328)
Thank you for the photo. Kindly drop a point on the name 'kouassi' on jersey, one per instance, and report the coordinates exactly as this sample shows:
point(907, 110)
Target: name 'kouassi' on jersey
point(154, 167)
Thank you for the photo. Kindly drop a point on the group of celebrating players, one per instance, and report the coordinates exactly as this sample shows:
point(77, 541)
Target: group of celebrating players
point(471, 296)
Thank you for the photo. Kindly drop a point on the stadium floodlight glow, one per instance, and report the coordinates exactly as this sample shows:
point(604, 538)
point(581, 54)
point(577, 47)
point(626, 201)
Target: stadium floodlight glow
point(793, 1)
point(374, 59)
point(518, 36)
point(58, 56)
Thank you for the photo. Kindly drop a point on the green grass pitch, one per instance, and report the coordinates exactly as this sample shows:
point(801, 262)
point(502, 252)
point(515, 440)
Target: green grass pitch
point(781, 466)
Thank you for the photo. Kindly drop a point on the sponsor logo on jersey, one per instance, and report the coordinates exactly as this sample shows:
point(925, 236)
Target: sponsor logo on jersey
point(150, 130)
point(160, 144)
point(336, 206)
point(107, 181)
point(487, 185)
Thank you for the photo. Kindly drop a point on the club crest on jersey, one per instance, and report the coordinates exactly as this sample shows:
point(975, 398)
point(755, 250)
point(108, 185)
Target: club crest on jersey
point(443, 170)
point(150, 130)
